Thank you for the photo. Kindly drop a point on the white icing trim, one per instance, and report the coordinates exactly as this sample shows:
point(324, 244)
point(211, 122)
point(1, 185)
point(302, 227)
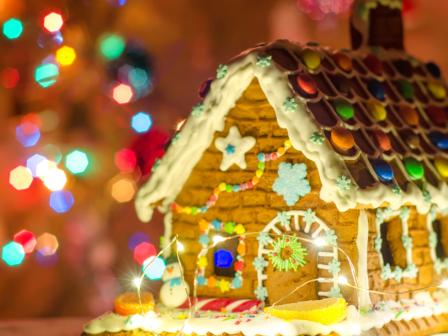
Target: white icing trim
point(361, 243)
point(168, 229)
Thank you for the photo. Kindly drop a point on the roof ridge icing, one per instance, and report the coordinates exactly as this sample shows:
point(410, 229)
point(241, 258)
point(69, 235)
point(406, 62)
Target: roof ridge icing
point(275, 80)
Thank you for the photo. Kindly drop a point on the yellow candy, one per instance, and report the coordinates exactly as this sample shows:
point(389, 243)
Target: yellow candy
point(310, 58)
point(376, 110)
point(224, 286)
point(203, 262)
point(187, 210)
point(326, 311)
point(259, 173)
point(222, 186)
point(437, 90)
point(442, 166)
point(240, 229)
point(288, 143)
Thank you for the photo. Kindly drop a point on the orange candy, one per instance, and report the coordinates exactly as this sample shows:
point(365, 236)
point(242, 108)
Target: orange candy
point(342, 138)
point(343, 61)
point(217, 191)
point(241, 249)
point(211, 282)
point(256, 179)
point(203, 224)
point(127, 304)
point(179, 209)
point(409, 115)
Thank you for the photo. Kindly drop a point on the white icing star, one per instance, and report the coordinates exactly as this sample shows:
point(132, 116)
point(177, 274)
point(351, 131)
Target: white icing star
point(242, 146)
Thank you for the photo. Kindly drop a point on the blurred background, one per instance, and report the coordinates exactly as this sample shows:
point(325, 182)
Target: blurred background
point(90, 92)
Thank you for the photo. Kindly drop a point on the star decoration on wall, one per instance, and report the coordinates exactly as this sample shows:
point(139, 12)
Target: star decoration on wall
point(240, 147)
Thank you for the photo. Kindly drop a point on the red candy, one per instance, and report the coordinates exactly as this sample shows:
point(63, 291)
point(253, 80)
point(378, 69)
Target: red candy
point(436, 114)
point(307, 83)
point(374, 64)
point(249, 184)
point(381, 139)
point(173, 206)
point(205, 87)
point(213, 198)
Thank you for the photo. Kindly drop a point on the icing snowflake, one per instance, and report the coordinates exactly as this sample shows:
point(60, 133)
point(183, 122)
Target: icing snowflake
point(224, 285)
point(217, 225)
point(155, 165)
point(433, 213)
point(309, 217)
point(264, 61)
point(378, 243)
point(398, 273)
point(387, 213)
point(297, 258)
point(317, 138)
point(330, 238)
point(412, 271)
point(343, 183)
point(264, 238)
point(397, 191)
point(197, 110)
point(291, 182)
point(284, 218)
point(237, 283)
point(386, 272)
point(379, 215)
point(204, 239)
point(202, 281)
point(259, 263)
point(335, 293)
point(221, 71)
point(290, 105)
point(240, 147)
point(427, 197)
point(261, 292)
point(404, 213)
point(334, 267)
point(407, 241)
point(133, 319)
point(438, 266)
point(175, 138)
point(432, 239)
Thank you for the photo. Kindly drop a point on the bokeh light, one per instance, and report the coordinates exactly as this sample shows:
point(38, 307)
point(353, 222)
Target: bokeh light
point(55, 179)
point(27, 134)
point(51, 59)
point(50, 40)
point(52, 153)
point(155, 270)
point(43, 167)
point(20, 178)
point(138, 78)
point(32, 119)
point(144, 251)
point(13, 254)
point(47, 74)
point(136, 239)
point(141, 122)
point(26, 239)
point(124, 190)
point(223, 258)
point(49, 120)
point(65, 56)
point(12, 28)
point(104, 278)
point(53, 22)
point(125, 160)
point(47, 257)
point(77, 162)
point(33, 162)
point(122, 94)
point(116, 3)
point(61, 201)
point(10, 77)
point(48, 241)
point(112, 46)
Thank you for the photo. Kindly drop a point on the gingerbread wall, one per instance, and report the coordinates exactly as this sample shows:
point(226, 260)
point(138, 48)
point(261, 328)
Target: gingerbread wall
point(256, 207)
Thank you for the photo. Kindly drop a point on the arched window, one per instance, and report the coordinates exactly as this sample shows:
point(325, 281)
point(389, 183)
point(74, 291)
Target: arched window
point(438, 238)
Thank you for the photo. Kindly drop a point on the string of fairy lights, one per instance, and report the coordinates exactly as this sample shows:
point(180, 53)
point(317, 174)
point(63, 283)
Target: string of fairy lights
point(319, 242)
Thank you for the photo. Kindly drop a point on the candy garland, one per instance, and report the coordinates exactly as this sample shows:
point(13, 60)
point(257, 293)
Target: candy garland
point(204, 240)
point(223, 187)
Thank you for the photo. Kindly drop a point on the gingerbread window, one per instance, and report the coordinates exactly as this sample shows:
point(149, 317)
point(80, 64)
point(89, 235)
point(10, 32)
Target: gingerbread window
point(437, 224)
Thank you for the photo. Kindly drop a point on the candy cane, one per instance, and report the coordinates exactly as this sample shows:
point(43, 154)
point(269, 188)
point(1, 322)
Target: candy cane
point(229, 305)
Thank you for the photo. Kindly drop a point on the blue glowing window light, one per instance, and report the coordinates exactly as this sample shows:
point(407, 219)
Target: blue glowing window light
point(223, 258)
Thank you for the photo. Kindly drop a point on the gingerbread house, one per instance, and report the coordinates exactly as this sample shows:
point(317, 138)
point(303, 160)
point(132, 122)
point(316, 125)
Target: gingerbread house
point(346, 147)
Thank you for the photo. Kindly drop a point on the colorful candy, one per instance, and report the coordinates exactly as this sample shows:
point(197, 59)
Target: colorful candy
point(310, 58)
point(342, 138)
point(376, 110)
point(433, 69)
point(205, 87)
point(307, 83)
point(406, 89)
point(343, 108)
point(383, 169)
point(439, 139)
point(376, 88)
point(409, 115)
point(374, 64)
point(343, 61)
point(436, 114)
point(442, 166)
point(437, 90)
point(414, 168)
point(381, 139)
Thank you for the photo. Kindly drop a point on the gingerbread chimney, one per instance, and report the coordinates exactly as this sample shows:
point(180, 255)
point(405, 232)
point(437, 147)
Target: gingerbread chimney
point(377, 23)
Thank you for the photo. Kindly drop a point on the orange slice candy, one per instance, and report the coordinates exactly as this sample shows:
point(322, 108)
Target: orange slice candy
point(127, 304)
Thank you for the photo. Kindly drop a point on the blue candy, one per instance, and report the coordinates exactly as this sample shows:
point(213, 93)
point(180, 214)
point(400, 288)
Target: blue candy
point(376, 88)
point(261, 157)
point(383, 169)
point(439, 139)
point(203, 209)
point(433, 69)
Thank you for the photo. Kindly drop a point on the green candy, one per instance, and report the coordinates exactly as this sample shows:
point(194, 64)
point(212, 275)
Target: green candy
point(405, 89)
point(194, 210)
point(414, 168)
point(261, 165)
point(343, 108)
point(229, 227)
point(229, 188)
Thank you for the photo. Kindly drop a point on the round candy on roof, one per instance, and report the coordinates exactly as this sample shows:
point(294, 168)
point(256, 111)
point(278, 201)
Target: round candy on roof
point(409, 115)
point(205, 87)
point(341, 83)
point(383, 169)
point(343, 61)
point(436, 114)
point(381, 139)
point(376, 88)
point(310, 58)
point(406, 89)
point(437, 90)
point(376, 110)
point(433, 69)
point(404, 67)
point(343, 108)
point(374, 64)
point(414, 168)
point(412, 140)
point(307, 83)
point(442, 166)
point(342, 138)
point(439, 139)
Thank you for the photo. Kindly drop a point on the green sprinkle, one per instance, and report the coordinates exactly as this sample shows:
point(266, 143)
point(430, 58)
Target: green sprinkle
point(230, 317)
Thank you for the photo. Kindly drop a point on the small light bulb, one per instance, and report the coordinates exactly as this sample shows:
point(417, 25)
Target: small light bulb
point(138, 282)
point(180, 247)
point(319, 242)
point(179, 125)
point(218, 239)
point(342, 280)
point(444, 284)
